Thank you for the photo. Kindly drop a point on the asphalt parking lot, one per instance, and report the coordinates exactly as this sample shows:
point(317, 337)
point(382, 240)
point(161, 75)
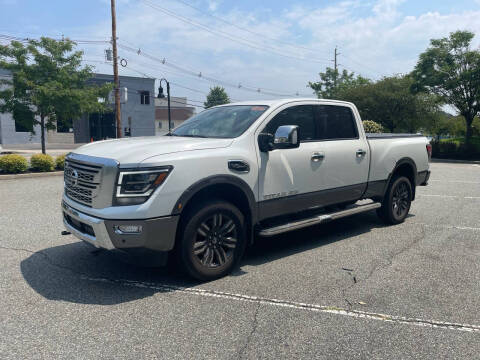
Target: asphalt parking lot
point(349, 289)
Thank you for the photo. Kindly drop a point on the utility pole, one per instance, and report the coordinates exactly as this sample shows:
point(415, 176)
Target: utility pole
point(336, 66)
point(118, 115)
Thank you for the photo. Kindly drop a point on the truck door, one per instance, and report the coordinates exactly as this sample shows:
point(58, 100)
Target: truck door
point(346, 156)
point(288, 176)
point(330, 166)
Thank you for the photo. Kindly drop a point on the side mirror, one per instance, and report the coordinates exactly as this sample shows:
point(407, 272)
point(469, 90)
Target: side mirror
point(265, 142)
point(286, 137)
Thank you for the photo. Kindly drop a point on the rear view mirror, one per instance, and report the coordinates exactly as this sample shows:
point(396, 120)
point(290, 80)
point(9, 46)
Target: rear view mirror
point(286, 137)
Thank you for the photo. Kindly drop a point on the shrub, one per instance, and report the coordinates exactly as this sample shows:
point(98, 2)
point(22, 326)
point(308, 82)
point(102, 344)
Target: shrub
point(60, 162)
point(444, 147)
point(13, 163)
point(454, 149)
point(42, 162)
point(371, 126)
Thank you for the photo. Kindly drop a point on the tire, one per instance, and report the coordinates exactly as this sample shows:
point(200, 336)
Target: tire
point(212, 240)
point(397, 201)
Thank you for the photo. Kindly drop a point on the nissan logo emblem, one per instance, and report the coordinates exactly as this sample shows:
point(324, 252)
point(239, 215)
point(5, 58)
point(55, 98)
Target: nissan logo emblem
point(74, 177)
point(71, 176)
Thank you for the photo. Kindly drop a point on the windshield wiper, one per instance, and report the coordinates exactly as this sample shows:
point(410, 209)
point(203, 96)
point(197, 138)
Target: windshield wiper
point(193, 136)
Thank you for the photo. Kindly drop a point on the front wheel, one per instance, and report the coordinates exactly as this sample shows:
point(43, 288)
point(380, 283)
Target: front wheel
point(397, 201)
point(212, 240)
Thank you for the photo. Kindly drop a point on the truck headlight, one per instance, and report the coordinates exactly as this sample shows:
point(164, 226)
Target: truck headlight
point(135, 186)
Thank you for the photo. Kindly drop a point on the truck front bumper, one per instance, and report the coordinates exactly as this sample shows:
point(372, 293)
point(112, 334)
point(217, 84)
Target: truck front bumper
point(156, 234)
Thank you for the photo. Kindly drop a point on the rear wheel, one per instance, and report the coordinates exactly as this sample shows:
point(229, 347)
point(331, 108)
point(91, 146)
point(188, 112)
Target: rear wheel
point(397, 201)
point(212, 240)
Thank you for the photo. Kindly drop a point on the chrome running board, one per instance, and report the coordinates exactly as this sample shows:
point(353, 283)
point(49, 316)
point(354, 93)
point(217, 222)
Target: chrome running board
point(318, 219)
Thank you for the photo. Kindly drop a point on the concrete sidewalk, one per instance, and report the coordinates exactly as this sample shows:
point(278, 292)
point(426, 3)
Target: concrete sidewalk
point(31, 149)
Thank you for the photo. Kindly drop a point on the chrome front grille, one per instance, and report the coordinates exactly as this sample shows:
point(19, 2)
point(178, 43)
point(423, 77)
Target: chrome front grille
point(82, 181)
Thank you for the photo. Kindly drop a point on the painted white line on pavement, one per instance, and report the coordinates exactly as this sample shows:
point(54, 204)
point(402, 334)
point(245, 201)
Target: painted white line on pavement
point(456, 181)
point(294, 305)
point(450, 196)
point(447, 226)
point(442, 196)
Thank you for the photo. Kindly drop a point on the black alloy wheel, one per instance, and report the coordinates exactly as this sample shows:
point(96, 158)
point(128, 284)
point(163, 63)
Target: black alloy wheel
point(397, 200)
point(211, 239)
point(401, 200)
point(216, 240)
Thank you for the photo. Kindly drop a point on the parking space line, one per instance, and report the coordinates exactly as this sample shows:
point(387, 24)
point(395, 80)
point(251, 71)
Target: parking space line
point(449, 196)
point(456, 181)
point(447, 226)
point(294, 305)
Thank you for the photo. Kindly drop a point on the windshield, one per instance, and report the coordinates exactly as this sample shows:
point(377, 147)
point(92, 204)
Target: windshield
point(221, 122)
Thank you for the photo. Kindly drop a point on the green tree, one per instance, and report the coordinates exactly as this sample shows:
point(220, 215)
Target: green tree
point(332, 84)
point(48, 83)
point(390, 102)
point(451, 70)
point(216, 96)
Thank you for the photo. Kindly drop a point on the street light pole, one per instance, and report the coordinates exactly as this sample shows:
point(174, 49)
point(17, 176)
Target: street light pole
point(161, 95)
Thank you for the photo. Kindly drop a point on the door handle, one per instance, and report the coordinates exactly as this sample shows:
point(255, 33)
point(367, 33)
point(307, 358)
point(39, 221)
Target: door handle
point(316, 156)
point(361, 152)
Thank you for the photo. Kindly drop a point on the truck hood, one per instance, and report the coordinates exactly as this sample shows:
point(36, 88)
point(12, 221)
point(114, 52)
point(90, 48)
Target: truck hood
point(131, 151)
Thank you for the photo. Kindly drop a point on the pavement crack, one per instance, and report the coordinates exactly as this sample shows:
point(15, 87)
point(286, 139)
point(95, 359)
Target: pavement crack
point(250, 335)
point(380, 265)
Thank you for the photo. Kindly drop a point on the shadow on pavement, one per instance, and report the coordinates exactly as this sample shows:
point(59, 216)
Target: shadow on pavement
point(270, 249)
point(75, 273)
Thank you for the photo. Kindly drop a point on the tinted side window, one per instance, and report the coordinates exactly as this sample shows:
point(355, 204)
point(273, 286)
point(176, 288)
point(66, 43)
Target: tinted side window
point(301, 115)
point(335, 122)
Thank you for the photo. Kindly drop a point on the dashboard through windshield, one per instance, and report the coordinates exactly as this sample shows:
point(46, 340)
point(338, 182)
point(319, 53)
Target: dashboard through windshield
point(221, 122)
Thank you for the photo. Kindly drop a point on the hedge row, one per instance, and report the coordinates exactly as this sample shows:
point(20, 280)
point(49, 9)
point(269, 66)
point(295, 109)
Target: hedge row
point(455, 150)
point(13, 163)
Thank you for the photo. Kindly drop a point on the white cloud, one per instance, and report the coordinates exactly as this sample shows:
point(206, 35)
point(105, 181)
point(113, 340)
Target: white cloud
point(213, 5)
point(375, 38)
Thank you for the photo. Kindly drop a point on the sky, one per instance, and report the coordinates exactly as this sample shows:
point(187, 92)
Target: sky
point(256, 49)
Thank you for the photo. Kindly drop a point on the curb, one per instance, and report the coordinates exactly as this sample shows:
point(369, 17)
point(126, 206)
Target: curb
point(453, 161)
point(30, 175)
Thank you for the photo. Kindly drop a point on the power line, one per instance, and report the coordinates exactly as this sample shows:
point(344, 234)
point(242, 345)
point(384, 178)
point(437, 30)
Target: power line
point(248, 30)
point(363, 65)
point(243, 41)
point(26, 40)
point(200, 75)
point(184, 70)
point(149, 77)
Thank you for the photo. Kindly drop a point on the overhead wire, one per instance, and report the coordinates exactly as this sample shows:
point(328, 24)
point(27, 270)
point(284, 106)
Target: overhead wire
point(199, 74)
point(234, 38)
point(257, 34)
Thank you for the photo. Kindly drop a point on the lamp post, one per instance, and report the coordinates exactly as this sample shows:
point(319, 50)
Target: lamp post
point(161, 96)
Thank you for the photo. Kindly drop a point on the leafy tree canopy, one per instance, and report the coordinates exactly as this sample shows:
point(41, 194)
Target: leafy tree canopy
point(390, 102)
point(48, 83)
point(332, 83)
point(451, 70)
point(216, 96)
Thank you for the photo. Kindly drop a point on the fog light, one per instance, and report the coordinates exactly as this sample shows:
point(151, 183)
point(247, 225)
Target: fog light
point(128, 229)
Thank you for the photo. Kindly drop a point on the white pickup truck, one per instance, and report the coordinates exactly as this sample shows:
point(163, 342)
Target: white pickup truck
point(236, 172)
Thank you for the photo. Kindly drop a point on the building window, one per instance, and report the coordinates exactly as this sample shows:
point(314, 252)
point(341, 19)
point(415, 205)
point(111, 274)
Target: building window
point(23, 120)
point(145, 97)
point(64, 125)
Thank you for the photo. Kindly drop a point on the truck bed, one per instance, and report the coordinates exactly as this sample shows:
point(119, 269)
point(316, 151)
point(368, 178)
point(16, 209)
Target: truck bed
point(374, 136)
